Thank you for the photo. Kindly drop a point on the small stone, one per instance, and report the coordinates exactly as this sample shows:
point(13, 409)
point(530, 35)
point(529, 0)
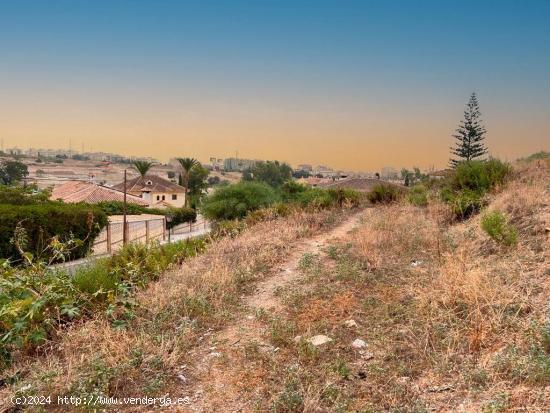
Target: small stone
point(416, 263)
point(358, 343)
point(319, 340)
point(182, 378)
point(215, 354)
point(297, 339)
point(350, 323)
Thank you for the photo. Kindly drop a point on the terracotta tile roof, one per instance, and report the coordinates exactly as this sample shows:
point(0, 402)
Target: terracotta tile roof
point(80, 191)
point(152, 182)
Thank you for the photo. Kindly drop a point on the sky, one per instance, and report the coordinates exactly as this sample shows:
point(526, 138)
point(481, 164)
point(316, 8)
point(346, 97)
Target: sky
point(356, 85)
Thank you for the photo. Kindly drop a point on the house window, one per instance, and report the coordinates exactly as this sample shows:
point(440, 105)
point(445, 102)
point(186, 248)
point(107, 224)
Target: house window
point(158, 197)
point(163, 197)
point(149, 183)
point(174, 197)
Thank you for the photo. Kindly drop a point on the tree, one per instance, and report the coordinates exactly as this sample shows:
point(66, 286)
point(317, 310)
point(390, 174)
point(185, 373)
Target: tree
point(186, 165)
point(470, 135)
point(142, 167)
point(272, 173)
point(11, 172)
point(197, 183)
point(236, 200)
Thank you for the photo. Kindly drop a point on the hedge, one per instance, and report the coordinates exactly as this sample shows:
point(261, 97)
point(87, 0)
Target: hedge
point(43, 222)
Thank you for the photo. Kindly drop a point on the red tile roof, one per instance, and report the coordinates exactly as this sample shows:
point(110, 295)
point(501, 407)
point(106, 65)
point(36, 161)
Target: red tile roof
point(80, 191)
point(152, 182)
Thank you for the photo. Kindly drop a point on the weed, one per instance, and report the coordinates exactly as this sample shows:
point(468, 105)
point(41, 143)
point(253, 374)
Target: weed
point(418, 195)
point(497, 227)
point(384, 194)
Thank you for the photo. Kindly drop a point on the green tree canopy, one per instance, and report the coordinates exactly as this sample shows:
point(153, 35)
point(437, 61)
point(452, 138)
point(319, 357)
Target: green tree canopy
point(235, 201)
point(142, 167)
point(187, 164)
point(12, 172)
point(272, 173)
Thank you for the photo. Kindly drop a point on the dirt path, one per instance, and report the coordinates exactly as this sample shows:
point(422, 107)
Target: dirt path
point(209, 377)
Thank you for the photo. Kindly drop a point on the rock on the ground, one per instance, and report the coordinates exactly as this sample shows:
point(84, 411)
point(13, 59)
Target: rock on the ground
point(319, 340)
point(350, 323)
point(358, 343)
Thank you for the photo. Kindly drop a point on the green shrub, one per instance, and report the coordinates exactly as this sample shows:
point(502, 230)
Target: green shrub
point(35, 300)
point(117, 208)
point(465, 187)
point(384, 194)
point(28, 195)
point(496, 226)
point(314, 199)
point(235, 201)
point(95, 278)
point(341, 196)
point(479, 176)
point(180, 215)
point(463, 203)
point(43, 222)
point(418, 195)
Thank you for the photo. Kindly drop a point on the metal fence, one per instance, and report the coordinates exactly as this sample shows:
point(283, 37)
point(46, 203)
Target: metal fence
point(139, 228)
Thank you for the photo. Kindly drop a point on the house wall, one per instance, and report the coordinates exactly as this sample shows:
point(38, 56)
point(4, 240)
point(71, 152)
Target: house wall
point(158, 197)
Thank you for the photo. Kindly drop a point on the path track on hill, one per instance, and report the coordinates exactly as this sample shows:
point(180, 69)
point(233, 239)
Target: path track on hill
point(209, 377)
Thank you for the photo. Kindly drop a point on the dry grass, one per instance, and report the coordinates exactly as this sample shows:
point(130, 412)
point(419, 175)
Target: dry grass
point(453, 320)
point(169, 320)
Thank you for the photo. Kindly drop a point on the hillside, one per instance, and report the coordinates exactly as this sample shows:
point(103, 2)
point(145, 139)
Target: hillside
point(392, 308)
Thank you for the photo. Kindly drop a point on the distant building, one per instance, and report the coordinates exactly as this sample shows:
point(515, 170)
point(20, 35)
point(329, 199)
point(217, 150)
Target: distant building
point(305, 167)
point(388, 172)
point(155, 190)
point(80, 191)
point(216, 163)
point(238, 164)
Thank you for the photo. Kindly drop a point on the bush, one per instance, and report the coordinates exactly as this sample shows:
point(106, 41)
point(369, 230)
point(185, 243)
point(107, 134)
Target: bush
point(95, 278)
point(463, 203)
point(29, 195)
point(479, 176)
point(343, 196)
point(36, 300)
point(117, 208)
point(466, 186)
point(497, 227)
point(418, 195)
point(32, 304)
point(180, 216)
point(384, 194)
point(235, 201)
point(42, 223)
point(314, 199)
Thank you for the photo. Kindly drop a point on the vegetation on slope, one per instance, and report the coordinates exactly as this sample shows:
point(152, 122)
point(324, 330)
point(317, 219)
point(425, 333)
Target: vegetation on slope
point(451, 316)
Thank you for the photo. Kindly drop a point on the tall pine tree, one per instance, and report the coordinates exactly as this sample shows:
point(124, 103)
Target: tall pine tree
point(470, 135)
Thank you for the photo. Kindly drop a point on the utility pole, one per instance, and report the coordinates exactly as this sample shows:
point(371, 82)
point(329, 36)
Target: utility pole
point(124, 223)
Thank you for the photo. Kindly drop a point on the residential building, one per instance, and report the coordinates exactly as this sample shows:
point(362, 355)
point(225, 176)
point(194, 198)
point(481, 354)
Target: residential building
point(157, 191)
point(81, 191)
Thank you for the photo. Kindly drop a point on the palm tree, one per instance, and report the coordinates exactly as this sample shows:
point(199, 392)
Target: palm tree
point(186, 165)
point(142, 167)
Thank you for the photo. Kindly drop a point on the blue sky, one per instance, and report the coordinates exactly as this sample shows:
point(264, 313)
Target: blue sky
point(243, 74)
